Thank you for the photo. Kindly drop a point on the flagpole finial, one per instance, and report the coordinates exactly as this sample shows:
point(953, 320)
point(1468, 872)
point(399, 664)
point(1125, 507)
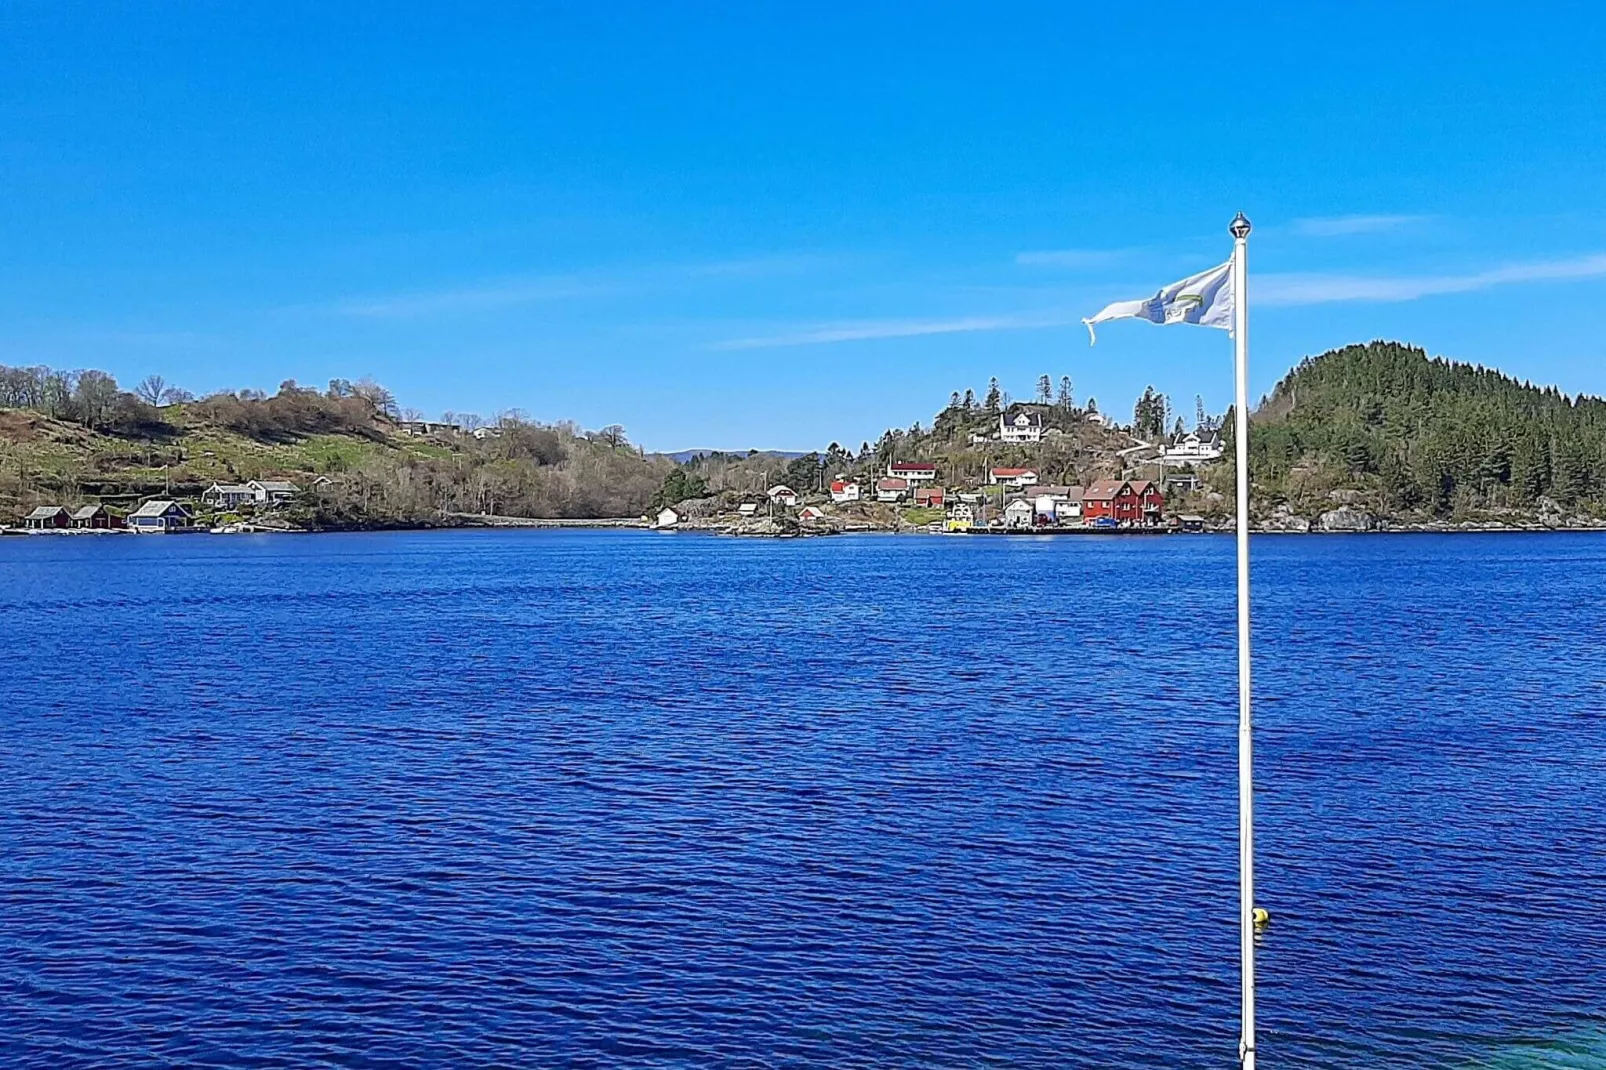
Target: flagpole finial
point(1240, 226)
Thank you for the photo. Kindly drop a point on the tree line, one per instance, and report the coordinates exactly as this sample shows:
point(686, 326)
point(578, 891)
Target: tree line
point(1430, 434)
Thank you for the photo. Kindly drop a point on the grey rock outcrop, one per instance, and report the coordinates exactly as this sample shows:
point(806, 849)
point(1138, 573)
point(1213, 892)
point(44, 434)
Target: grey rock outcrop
point(1284, 519)
point(1347, 518)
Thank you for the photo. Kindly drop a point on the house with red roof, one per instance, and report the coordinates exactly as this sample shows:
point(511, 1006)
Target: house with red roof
point(844, 490)
point(913, 471)
point(1151, 501)
point(1136, 502)
point(891, 490)
point(1012, 477)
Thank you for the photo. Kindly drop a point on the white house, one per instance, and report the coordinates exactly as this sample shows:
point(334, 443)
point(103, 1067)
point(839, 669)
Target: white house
point(913, 471)
point(666, 518)
point(483, 433)
point(1012, 477)
point(158, 516)
point(1019, 514)
point(843, 490)
point(1193, 447)
point(781, 494)
point(1056, 504)
point(747, 509)
point(891, 490)
point(272, 491)
point(1026, 425)
point(228, 495)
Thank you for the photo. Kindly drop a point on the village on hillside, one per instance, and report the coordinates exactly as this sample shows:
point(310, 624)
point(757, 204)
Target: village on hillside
point(993, 499)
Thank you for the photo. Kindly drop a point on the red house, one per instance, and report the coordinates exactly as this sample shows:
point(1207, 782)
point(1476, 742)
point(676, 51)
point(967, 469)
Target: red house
point(1151, 501)
point(48, 516)
point(1137, 502)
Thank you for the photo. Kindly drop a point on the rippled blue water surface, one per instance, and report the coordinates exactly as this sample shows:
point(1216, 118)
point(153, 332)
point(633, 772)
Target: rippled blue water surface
point(603, 799)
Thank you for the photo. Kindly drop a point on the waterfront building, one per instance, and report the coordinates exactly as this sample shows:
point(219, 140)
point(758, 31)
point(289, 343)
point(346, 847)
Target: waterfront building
point(1019, 514)
point(155, 517)
point(781, 494)
point(1136, 502)
point(1056, 504)
point(891, 490)
point(228, 495)
point(95, 518)
point(45, 517)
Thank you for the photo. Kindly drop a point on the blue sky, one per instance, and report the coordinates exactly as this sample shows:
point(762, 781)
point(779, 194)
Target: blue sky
point(776, 225)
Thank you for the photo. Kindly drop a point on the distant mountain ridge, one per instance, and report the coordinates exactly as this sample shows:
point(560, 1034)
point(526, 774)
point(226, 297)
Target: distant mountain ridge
point(685, 456)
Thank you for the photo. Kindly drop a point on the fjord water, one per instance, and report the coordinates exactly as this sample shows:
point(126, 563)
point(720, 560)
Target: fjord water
point(601, 799)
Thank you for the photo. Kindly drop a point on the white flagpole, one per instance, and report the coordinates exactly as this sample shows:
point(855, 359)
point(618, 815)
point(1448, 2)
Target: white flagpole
point(1246, 801)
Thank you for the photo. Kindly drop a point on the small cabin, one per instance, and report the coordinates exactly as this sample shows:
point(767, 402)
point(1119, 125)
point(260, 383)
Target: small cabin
point(227, 495)
point(156, 517)
point(95, 518)
point(47, 517)
point(1019, 514)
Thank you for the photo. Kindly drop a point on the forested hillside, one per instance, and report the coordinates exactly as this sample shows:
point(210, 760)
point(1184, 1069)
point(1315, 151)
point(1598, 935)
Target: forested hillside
point(1426, 436)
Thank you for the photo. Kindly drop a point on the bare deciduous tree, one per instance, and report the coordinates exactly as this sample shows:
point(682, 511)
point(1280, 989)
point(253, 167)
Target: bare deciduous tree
point(152, 390)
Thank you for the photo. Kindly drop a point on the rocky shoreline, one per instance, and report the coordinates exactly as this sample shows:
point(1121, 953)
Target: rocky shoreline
point(1351, 520)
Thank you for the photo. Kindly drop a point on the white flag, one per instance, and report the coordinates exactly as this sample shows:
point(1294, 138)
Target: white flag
point(1205, 299)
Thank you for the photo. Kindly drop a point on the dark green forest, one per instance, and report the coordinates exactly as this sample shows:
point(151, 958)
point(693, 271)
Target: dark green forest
point(1427, 434)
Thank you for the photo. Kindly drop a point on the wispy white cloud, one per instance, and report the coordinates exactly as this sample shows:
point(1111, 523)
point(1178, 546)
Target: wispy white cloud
point(1074, 258)
point(869, 330)
point(493, 295)
point(749, 267)
point(1336, 226)
point(514, 291)
point(1317, 289)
